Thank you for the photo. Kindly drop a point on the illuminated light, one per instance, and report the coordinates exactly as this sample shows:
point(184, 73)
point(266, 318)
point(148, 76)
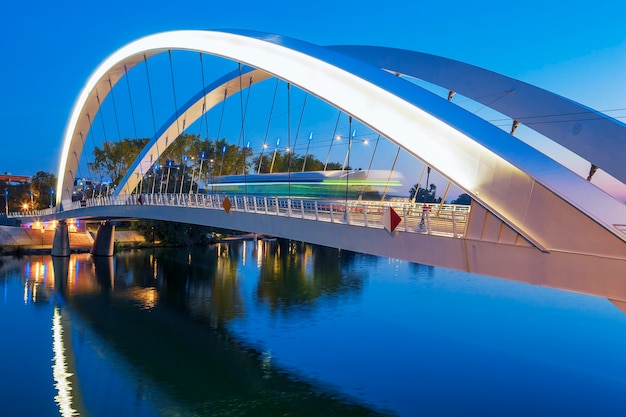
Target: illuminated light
point(338, 137)
point(366, 142)
point(60, 372)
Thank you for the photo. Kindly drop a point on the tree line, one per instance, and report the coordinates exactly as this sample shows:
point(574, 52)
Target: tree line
point(36, 195)
point(191, 160)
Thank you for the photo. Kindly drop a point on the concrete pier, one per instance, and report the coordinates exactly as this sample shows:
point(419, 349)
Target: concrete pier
point(103, 244)
point(61, 242)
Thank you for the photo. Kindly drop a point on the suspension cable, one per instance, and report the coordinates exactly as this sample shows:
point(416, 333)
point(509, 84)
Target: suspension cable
point(132, 112)
point(206, 120)
point(130, 99)
point(332, 140)
point(369, 167)
point(419, 184)
point(219, 129)
point(267, 130)
point(289, 149)
point(100, 112)
point(117, 123)
point(348, 160)
point(393, 166)
point(154, 172)
point(244, 110)
point(169, 52)
point(295, 141)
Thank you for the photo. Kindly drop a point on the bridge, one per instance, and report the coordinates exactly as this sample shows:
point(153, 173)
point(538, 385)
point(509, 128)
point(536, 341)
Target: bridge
point(532, 218)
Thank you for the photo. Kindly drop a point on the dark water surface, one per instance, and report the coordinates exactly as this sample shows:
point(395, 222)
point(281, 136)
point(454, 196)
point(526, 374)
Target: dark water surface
point(286, 329)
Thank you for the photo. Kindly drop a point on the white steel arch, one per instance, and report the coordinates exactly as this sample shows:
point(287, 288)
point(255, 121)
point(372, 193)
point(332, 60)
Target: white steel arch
point(507, 177)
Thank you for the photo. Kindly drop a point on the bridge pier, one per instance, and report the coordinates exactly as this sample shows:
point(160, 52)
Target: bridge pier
point(61, 242)
point(103, 244)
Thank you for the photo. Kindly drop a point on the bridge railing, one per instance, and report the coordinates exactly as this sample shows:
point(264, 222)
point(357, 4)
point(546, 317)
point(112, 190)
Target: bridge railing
point(33, 213)
point(441, 219)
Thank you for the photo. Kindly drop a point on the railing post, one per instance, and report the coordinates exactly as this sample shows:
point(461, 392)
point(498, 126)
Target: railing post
point(332, 219)
point(365, 215)
point(317, 215)
point(289, 214)
point(265, 204)
point(255, 205)
point(277, 208)
point(406, 223)
point(302, 208)
point(453, 224)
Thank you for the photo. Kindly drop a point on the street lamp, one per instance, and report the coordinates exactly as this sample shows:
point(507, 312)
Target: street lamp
point(167, 181)
point(274, 156)
point(51, 193)
point(182, 180)
point(306, 154)
point(6, 201)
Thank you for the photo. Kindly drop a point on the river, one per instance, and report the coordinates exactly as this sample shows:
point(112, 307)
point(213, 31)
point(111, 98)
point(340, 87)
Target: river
point(282, 328)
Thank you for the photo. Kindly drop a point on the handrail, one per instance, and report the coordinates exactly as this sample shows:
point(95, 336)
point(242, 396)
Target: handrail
point(450, 220)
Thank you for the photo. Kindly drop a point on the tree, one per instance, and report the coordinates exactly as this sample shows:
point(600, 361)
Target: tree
point(114, 158)
point(463, 199)
point(290, 162)
point(424, 196)
point(40, 185)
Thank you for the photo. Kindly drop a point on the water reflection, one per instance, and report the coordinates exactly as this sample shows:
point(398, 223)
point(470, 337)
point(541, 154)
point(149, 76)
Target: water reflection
point(298, 274)
point(164, 313)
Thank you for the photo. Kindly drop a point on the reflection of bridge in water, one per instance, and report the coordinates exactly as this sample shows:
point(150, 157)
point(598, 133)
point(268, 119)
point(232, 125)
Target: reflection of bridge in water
point(531, 218)
point(118, 302)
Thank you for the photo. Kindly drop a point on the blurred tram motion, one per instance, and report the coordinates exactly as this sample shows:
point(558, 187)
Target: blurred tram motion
point(357, 184)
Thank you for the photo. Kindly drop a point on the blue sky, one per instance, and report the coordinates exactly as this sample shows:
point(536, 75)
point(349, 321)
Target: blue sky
point(49, 49)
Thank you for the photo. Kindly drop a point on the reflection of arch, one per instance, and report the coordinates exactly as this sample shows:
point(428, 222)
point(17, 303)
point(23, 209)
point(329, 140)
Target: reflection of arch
point(518, 184)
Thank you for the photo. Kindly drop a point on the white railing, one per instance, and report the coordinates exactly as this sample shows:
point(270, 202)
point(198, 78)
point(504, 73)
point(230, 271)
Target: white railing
point(443, 220)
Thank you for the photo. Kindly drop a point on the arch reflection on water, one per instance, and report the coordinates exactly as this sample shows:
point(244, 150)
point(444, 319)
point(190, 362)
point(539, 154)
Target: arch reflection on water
point(164, 314)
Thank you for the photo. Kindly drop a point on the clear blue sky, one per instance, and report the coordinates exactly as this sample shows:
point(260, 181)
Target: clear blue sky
point(49, 49)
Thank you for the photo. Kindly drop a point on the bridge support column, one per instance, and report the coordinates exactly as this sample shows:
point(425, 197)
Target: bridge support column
point(61, 242)
point(103, 243)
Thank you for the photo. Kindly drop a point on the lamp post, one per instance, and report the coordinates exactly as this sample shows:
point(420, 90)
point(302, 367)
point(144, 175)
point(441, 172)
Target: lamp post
point(51, 194)
point(306, 154)
point(274, 156)
point(6, 201)
point(222, 164)
point(167, 181)
point(182, 180)
point(212, 169)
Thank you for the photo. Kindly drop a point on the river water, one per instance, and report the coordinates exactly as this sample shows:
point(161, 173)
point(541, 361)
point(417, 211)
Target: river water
point(289, 329)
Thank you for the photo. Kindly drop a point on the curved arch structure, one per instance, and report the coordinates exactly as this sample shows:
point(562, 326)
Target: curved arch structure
point(517, 186)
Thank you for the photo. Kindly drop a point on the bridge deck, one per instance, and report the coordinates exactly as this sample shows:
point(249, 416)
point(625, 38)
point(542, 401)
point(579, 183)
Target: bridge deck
point(441, 219)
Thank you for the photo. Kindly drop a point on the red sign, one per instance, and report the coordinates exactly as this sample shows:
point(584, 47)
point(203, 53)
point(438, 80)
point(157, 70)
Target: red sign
point(390, 219)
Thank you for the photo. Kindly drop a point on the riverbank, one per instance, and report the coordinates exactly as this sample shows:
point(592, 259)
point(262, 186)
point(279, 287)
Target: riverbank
point(15, 239)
